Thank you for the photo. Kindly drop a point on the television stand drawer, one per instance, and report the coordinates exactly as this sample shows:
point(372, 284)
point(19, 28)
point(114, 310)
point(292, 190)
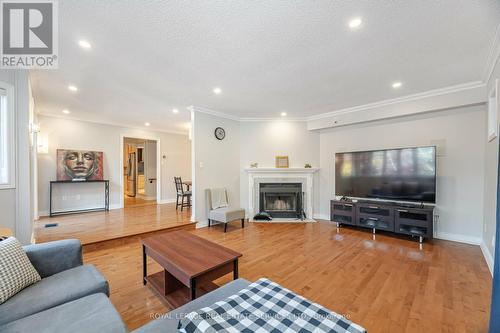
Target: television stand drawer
point(373, 222)
point(343, 207)
point(343, 219)
point(414, 222)
point(375, 210)
point(342, 212)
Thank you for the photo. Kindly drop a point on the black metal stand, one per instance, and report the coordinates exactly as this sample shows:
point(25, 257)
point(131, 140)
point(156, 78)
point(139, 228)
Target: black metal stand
point(106, 197)
point(301, 213)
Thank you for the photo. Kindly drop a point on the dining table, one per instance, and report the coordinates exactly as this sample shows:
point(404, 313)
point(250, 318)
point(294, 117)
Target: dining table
point(188, 184)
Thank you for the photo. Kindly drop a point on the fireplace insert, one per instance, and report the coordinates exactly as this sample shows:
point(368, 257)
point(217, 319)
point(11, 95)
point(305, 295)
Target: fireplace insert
point(281, 200)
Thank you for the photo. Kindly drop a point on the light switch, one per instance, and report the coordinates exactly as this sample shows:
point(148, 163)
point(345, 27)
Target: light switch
point(201, 165)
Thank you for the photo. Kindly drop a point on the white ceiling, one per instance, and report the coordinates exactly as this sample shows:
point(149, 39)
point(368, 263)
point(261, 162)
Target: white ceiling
point(149, 57)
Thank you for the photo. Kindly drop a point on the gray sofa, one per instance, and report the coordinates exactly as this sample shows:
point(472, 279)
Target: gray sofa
point(71, 297)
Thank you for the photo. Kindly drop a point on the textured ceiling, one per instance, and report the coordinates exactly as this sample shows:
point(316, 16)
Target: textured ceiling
point(267, 56)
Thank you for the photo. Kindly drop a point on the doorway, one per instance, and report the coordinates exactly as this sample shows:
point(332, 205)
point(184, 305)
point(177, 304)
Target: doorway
point(140, 172)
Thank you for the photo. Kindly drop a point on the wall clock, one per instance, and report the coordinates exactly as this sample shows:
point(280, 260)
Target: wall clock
point(220, 133)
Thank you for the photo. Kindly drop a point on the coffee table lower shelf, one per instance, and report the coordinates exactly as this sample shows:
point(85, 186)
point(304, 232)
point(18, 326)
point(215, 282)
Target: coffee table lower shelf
point(176, 293)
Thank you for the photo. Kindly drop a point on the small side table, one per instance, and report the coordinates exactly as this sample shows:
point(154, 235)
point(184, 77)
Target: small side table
point(5, 232)
point(106, 196)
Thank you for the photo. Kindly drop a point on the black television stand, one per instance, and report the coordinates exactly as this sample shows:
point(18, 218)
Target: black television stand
point(405, 219)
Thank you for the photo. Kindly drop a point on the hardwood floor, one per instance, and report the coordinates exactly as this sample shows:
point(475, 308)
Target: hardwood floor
point(137, 201)
point(100, 226)
point(386, 284)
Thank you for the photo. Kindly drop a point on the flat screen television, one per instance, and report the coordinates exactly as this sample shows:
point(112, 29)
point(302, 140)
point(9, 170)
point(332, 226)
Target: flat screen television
point(406, 174)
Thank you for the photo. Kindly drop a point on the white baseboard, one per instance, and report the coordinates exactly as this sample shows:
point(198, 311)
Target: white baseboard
point(44, 213)
point(321, 217)
point(202, 224)
point(487, 256)
point(439, 235)
point(166, 201)
point(458, 238)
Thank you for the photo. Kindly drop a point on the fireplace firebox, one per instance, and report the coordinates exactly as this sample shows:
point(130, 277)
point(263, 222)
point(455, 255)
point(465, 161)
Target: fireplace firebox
point(281, 200)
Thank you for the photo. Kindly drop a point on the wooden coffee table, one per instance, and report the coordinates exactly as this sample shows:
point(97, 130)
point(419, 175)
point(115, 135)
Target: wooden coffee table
point(190, 264)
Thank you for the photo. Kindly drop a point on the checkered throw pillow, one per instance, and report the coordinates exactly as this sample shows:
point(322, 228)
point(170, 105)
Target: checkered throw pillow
point(265, 306)
point(16, 270)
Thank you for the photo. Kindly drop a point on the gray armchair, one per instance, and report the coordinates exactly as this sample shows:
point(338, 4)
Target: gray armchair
point(223, 214)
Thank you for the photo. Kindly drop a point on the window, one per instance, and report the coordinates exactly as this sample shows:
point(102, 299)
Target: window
point(7, 144)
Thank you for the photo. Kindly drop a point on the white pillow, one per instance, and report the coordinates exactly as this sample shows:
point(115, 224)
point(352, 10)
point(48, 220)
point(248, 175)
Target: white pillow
point(16, 270)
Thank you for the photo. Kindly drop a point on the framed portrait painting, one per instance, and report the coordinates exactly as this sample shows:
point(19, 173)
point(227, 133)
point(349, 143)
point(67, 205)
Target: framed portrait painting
point(79, 165)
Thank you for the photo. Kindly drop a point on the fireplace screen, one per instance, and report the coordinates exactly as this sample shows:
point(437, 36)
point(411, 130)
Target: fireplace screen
point(278, 202)
point(281, 199)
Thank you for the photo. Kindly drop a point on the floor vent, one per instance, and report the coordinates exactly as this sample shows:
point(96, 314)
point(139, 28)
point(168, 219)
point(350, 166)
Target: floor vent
point(51, 225)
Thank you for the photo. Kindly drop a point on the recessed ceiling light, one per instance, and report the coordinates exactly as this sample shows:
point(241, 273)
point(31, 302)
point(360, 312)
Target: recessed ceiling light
point(147, 124)
point(217, 90)
point(283, 114)
point(72, 88)
point(397, 85)
point(175, 111)
point(66, 111)
point(355, 22)
point(84, 44)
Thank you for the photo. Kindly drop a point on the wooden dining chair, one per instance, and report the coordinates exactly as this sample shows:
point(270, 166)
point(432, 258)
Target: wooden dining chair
point(179, 187)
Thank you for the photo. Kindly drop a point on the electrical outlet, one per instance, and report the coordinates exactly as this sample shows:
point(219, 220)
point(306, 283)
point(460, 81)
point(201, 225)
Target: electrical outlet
point(201, 165)
point(64, 198)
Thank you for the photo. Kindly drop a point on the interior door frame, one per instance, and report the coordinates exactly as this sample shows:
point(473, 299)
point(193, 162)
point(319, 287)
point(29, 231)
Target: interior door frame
point(158, 166)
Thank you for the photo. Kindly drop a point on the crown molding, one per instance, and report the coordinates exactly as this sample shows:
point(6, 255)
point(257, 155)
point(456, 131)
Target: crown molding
point(241, 119)
point(115, 124)
point(408, 98)
point(364, 107)
point(493, 56)
point(293, 119)
point(195, 108)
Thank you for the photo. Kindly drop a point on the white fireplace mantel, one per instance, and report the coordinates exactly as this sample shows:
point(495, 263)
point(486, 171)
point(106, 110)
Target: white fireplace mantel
point(281, 170)
point(305, 176)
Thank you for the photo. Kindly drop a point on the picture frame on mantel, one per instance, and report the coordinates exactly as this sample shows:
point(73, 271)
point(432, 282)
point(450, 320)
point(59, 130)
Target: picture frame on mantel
point(493, 109)
point(282, 162)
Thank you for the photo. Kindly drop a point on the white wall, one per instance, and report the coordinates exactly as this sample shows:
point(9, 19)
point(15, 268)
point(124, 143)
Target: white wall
point(73, 134)
point(262, 141)
point(460, 168)
point(490, 185)
point(216, 163)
